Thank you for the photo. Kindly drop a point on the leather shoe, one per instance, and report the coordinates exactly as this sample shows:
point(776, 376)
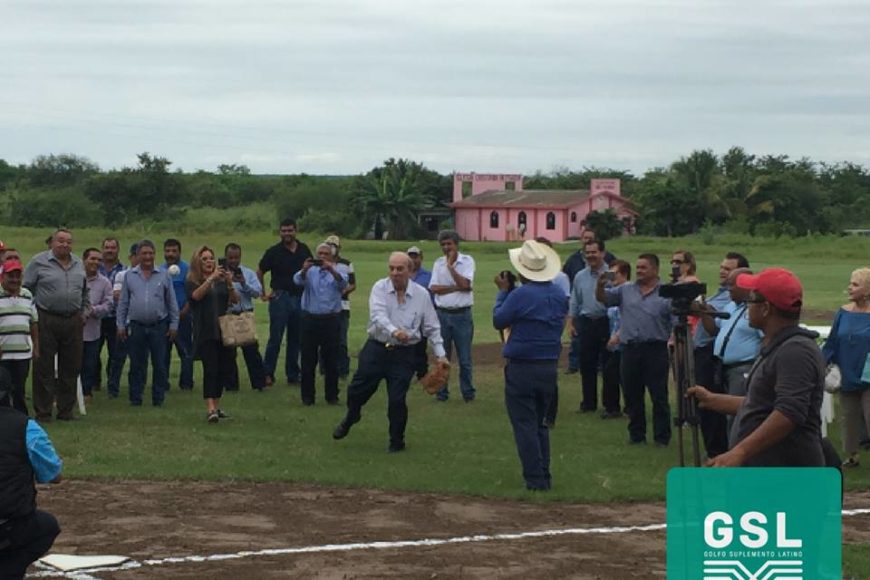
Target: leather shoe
point(396, 447)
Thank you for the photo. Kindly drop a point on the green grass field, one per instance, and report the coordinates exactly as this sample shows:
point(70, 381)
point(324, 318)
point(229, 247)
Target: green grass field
point(453, 447)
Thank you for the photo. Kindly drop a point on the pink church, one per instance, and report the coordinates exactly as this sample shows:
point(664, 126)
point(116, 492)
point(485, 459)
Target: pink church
point(495, 207)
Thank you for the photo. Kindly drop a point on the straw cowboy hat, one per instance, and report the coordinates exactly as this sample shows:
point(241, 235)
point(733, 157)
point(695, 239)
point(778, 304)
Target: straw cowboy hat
point(535, 261)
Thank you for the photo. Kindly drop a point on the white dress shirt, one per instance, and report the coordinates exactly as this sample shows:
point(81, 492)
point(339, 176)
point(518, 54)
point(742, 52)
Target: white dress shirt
point(441, 276)
point(416, 316)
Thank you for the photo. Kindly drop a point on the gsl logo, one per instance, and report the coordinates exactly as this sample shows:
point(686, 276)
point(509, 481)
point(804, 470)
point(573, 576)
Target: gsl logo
point(725, 562)
point(754, 524)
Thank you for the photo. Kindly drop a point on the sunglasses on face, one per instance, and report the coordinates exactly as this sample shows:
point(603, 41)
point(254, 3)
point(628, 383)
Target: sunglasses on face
point(756, 299)
point(677, 262)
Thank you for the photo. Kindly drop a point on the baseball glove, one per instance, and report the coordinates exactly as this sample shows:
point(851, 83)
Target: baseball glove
point(436, 377)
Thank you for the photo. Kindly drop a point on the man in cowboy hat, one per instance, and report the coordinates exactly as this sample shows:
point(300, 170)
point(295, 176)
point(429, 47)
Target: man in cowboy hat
point(535, 312)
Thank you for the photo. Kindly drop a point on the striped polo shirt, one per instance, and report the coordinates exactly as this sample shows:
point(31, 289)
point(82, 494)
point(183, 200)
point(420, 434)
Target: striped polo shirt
point(16, 315)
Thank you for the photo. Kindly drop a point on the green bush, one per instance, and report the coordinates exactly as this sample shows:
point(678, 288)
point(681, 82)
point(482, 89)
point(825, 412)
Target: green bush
point(67, 206)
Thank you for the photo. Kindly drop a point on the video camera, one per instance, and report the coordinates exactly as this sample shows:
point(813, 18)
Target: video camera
point(681, 295)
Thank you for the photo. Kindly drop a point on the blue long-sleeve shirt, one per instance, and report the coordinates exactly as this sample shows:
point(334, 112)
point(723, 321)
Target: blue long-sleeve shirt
point(147, 300)
point(178, 281)
point(535, 313)
point(322, 291)
point(718, 301)
point(247, 290)
point(43, 458)
point(848, 346)
point(583, 301)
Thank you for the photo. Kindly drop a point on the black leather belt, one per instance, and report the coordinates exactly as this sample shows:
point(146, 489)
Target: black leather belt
point(391, 346)
point(59, 314)
point(326, 316)
point(454, 310)
point(149, 324)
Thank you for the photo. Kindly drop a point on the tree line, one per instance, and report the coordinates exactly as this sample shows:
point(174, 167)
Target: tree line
point(761, 195)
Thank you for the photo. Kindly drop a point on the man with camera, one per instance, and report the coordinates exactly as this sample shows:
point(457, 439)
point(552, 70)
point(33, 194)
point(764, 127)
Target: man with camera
point(736, 343)
point(714, 425)
point(646, 324)
point(589, 323)
point(247, 287)
point(322, 285)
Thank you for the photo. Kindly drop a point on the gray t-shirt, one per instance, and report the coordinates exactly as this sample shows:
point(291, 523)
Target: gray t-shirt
point(788, 377)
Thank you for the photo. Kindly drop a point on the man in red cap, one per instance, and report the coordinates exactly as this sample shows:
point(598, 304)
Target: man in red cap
point(18, 334)
point(778, 422)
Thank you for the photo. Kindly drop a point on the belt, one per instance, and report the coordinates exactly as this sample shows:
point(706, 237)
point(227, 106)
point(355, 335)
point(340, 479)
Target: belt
point(745, 363)
point(453, 310)
point(150, 324)
point(59, 314)
point(391, 346)
point(644, 343)
point(326, 316)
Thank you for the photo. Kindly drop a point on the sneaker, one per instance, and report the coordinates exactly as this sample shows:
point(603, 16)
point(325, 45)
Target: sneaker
point(222, 415)
point(213, 417)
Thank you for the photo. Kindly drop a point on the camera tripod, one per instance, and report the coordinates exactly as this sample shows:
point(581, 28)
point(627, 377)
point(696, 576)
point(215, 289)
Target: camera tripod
point(683, 366)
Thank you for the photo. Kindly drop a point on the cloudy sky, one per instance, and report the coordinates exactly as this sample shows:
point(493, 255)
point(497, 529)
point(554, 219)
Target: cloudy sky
point(337, 86)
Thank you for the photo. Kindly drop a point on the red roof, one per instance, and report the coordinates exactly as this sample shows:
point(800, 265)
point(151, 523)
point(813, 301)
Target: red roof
point(534, 198)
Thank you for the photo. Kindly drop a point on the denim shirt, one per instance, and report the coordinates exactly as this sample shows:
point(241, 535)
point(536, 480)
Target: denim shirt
point(535, 313)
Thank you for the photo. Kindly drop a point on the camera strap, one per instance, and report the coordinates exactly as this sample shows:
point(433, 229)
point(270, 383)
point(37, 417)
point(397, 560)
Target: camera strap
point(737, 314)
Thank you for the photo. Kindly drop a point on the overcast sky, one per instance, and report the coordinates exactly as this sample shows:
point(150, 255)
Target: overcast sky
point(337, 86)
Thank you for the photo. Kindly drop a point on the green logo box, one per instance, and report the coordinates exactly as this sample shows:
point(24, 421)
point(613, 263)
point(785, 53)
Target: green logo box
point(754, 524)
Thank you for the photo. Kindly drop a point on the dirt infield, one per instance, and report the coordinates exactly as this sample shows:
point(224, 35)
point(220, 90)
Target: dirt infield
point(160, 520)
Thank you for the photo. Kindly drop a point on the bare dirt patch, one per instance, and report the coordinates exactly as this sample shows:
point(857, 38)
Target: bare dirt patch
point(157, 520)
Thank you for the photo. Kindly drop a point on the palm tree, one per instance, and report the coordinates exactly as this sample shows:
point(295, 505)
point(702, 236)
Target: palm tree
point(390, 197)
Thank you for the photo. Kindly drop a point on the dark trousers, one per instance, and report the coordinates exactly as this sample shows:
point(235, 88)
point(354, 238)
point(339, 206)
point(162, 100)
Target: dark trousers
point(254, 364)
point(422, 357)
point(90, 365)
point(109, 337)
point(713, 424)
point(59, 336)
point(377, 363)
point(18, 371)
point(144, 340)
point(529, 386)
point(29, 538)
point(284, 316)
point(184, 347)
point(320, 336)
point(612, 381)
point(645, 365)
point(117, 360)
point(217, 367)
point(593, 333)
point(574, 350)
point(343, 353)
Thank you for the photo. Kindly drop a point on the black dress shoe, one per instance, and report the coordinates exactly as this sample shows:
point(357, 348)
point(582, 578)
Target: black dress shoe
point(342, 429)
point(396, 447)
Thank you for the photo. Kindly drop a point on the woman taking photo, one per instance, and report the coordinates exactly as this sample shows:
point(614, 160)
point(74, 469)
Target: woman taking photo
point(210, 291)
point(848, 346)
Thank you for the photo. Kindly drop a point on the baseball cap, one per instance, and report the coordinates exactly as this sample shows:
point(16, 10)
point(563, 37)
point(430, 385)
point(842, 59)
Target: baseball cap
point(779, 286)
point(333, 241)
point(11, 266)
point(413, 250)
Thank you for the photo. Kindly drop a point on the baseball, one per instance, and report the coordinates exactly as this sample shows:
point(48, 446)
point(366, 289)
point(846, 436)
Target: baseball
point(174, 270)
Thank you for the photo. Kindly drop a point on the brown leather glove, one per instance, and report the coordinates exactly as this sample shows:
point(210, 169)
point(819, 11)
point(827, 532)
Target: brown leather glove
point(436, 377)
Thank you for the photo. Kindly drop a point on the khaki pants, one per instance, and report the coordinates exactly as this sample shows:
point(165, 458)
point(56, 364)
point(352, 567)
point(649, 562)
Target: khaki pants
point(856, 416)
point(61, 336)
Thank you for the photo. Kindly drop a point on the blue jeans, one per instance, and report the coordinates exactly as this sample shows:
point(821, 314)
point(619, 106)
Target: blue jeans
point(284, 316)
point(184, 346)
point(143, 340)
point(90, 365)
point(457, 329)
point(528, 389)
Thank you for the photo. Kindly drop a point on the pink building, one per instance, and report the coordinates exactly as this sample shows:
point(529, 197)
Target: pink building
point(496, 207)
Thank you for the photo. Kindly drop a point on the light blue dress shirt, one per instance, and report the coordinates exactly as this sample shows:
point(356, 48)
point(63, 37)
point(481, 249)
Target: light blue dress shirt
point(247, 291)
point(583, 301)
point(745, 341)
point(322, 292)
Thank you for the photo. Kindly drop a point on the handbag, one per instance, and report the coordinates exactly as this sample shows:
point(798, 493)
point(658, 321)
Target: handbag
point(238, 329)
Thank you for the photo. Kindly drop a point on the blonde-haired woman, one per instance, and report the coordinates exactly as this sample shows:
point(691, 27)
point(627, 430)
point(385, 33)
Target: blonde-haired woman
point(210, 291)
point(848, 346)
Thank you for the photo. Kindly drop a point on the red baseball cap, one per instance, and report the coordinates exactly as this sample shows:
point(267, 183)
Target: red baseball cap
point(10, 266)
point(779, 286)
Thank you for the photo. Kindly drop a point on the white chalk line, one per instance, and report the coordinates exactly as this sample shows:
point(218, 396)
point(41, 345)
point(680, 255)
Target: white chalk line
point(354, 546)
